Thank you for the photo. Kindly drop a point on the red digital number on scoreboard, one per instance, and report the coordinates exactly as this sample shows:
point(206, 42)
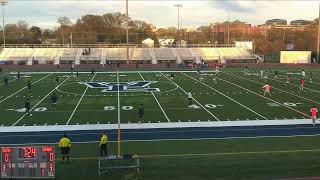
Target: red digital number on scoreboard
point(27, 153)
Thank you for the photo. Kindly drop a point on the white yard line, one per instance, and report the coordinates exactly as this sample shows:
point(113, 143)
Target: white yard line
point(164, 113)
point(75, 109)
point(119, 110)
point(227, 97)
point(24, 88)
point(273, 88)
point(192, 98)
point(265, 97)
point(40, 101)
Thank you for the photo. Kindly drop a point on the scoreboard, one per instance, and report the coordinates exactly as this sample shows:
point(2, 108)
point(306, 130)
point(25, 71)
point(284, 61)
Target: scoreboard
point(27, 162)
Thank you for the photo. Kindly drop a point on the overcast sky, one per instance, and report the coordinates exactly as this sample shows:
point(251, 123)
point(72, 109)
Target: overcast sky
point(161, 13)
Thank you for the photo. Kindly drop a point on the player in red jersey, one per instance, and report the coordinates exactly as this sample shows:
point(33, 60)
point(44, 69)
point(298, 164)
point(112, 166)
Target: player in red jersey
point(313, 114)
point(217, 70)
point(267, 88)
point(301, 84)
point(289, 79)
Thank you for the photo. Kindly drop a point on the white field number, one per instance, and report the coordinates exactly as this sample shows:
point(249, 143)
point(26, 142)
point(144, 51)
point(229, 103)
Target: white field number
point(39, 109)
point(112, 108)
point(286, 104)
point(210, 106)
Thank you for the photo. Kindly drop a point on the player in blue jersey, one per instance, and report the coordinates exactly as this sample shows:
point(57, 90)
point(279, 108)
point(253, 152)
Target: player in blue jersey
point(54, 100)
point(29, 87)
point(141, 112)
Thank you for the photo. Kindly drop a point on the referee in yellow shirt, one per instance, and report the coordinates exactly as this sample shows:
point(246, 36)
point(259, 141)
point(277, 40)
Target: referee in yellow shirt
point(103, 145)
point(65, 146)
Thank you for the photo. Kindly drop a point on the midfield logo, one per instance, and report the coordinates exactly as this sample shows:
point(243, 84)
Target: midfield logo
point(135, 86)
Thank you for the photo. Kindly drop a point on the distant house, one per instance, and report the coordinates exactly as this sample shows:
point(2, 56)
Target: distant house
point(182, 44)
point(300, 22)
point(166, 42)
point(148, 42)
point(276, 22)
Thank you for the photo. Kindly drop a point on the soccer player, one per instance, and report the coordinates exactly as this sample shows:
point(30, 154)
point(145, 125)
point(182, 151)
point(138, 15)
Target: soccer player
point(310, 77)
point(6, 80)
point(301, 84)
point(54, 100)
point(29, 87)
point(72, 68)
point(77, 74)
point(65, 146)
point(246, 70)
point(215, 80)
point(27, 105)
point(103, 145)
point(313, 113)
point(276, 73)
point(171, 76)
point(303, 74)
point(265, 76)
point(18, 75)
point(289, 79)
point(141, 113)
point(217, 70)
point(190, 98)
point(266, 88)
point(199, 73)
point(261, 74)
point(58, 67)
point(57, 80)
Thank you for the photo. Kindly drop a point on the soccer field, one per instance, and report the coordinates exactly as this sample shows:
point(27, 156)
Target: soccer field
point(109, 97)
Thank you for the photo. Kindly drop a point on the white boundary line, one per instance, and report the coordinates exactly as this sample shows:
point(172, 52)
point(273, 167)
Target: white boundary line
point(40, 101)
point(79, 101)
point(265, 97)
point(273, 88)
point(24, 88)
point(164, 113)
point(227, 97)
point(192, 98)
point(166, 125)
point(114, 72)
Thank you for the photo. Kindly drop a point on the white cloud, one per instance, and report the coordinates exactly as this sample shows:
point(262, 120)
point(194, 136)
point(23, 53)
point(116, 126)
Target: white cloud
point(162, 13)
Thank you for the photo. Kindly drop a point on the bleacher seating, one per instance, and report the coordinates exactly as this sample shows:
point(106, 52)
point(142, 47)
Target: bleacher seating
point(116, 54)
point(164, 54)
point(101, 55)
point(184, 53)
point(140, 54)
point(207, 54)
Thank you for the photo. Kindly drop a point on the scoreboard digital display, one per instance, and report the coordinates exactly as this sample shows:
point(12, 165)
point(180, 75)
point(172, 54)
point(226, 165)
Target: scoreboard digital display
point(27, 162)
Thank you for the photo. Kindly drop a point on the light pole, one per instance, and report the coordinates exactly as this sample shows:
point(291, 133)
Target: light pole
point(228, 11)
point(318, 36)
point(3, 3)
point(179, 33)
point(127, 30)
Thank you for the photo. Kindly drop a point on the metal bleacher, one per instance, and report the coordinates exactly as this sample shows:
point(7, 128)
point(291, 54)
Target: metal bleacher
point(100, 55)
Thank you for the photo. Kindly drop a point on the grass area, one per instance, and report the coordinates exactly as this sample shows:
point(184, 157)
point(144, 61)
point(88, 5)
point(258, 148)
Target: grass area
point(81, 104)
point(265, 158)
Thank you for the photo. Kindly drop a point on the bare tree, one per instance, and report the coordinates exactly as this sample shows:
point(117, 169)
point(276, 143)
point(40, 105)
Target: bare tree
point(63, 21)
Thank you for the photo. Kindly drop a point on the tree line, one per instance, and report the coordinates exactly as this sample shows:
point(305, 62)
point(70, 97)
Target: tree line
point(111, 28)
